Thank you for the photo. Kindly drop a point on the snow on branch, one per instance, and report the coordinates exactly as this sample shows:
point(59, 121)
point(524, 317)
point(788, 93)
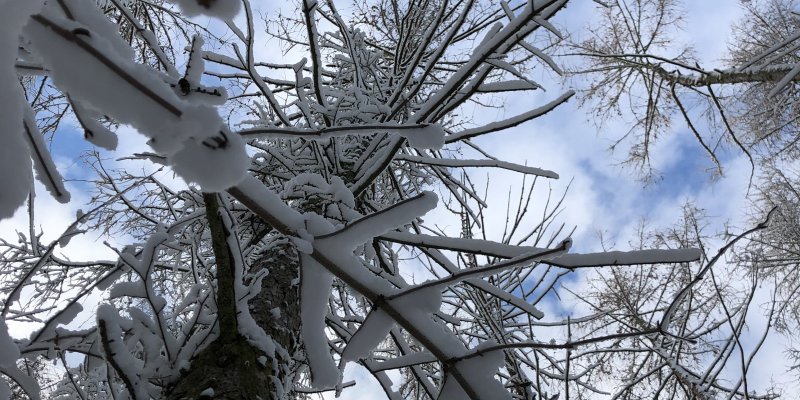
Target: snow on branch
point(15, 161)
point(510, 122)
point(461, 163)
point(423, 136)
point(86, 65)
point(222, 9)
point(474, 246)
point(634, 257)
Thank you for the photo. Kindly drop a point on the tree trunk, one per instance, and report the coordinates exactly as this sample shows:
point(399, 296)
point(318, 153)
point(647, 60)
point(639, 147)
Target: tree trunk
point(230, 365)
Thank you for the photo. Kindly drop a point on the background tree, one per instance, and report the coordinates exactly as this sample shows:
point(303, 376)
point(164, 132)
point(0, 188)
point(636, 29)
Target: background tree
point(634, 64)
point(638, 67)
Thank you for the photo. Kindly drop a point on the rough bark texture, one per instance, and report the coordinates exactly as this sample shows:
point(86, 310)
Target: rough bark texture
point(225, 294)
point(276, 309)
point(230, 364)
point(231, 369)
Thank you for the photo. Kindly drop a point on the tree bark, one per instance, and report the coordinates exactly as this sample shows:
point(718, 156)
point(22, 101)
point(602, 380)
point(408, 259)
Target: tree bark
point(231, 366)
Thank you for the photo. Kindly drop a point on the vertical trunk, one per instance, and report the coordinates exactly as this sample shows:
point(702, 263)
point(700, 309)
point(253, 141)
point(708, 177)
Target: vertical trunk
point(276, 309)
point(230, 366)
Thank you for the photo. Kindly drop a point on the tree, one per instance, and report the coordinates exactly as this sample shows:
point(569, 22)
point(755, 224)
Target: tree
point(633, 62)
point(281, 262)
point(638, 67)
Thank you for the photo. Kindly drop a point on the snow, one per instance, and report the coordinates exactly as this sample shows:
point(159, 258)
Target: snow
point(116, 350)
point(430, 137)
point(46, 171)
point(479, 371)
point(475, 246)
point(460, 163)
point(91, 69)
point(421, 136)
point(94, 132)
point(72, 230)
point(246, 325)
point(222, 9)
point(414, 312)
point(370, 226)
point(83, 12)
point(128, 289)
point(15, 162)
point(507, 86)
point(92, 82)
point(5, 391)
point(372, 331)
point(212, 169)
point(265, 202)
point(196, 66)
point(510, 122)
point(90, 62)
point(9, 352)
point(315, 285)
point(142, 262)
point(415, 358)
point(573, 260)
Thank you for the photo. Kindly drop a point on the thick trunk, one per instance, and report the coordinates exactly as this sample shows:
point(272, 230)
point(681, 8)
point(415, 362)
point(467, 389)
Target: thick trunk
point(230, 369)
point(231, 366)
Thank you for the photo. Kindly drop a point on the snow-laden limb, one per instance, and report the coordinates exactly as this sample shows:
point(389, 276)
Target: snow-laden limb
point(422, 136)
point(484, 286)
point(527, 46)
point(190, 86)
point(461, 163)
point(93, 131)
point(246, 325)
point(85, 65)
point(413, 313)
point(328, 255)
point(25, 381)
point(315, 287)
point(110, 328)
point(509, 122)
point(488, 269)
point(46, 171)
point(196, 65)
point(498, 40)
point(15, 162)
point(145, 349)
point(463, 83)
point(408, 307)
point(309, 12)
point(222, 9)
point(475, 368)
point(142, 329)
point(365, 228)
point(408, 360)
point(506, 86)
point(474, 246)
point(146, 35)
point(375, 367)
point(373, 330)
point(634, 257)
point(9, 353)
